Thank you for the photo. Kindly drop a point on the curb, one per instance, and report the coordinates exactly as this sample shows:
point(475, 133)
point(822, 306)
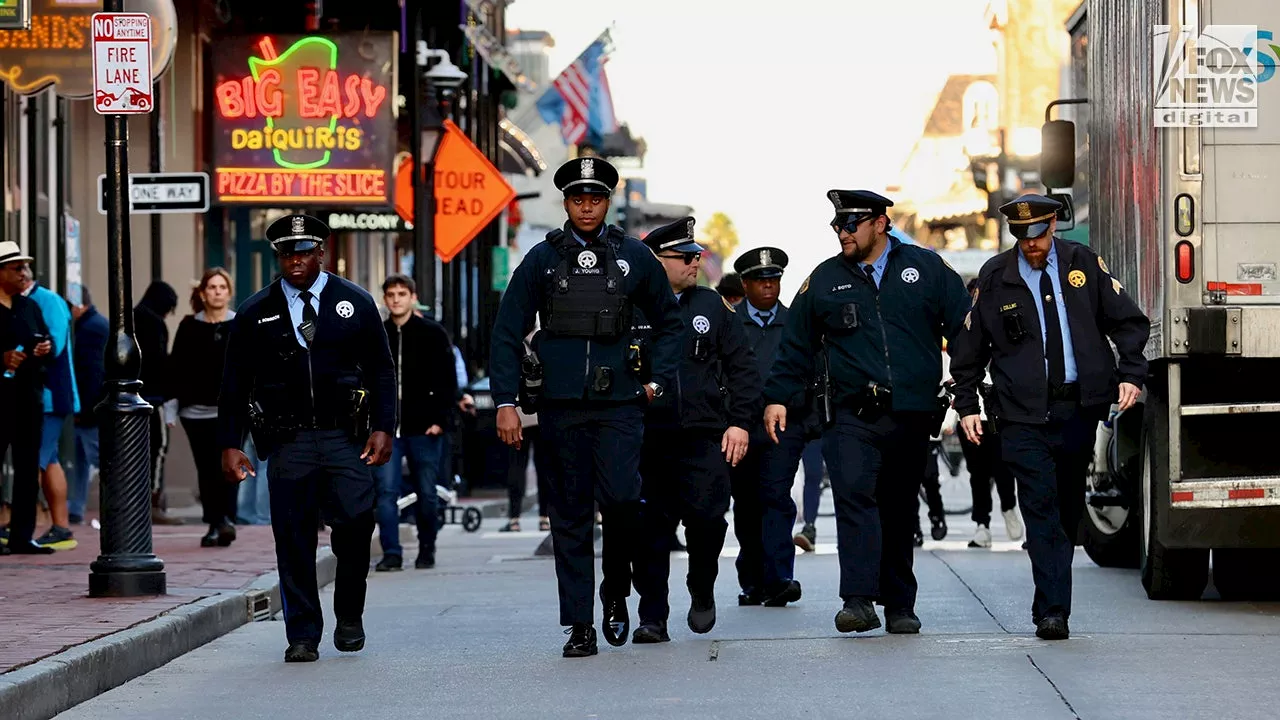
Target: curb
point(60, 682)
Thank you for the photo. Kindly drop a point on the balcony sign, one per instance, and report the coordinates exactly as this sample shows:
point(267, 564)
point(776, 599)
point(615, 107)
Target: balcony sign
point(305, 120)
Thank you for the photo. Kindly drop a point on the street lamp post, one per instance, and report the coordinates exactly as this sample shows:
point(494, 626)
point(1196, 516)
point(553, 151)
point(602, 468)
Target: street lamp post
point(127, 566)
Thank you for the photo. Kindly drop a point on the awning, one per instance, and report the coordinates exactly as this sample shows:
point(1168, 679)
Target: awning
point(957, 204)
point(519, 155)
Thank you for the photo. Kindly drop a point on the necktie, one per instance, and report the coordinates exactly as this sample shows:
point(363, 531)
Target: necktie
point(870, 270)
point(1053, 351)
point(309, 318)
point(764, 319)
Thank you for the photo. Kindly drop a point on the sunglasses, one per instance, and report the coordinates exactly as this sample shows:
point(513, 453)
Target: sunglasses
point(852, 225)
point(688, 257)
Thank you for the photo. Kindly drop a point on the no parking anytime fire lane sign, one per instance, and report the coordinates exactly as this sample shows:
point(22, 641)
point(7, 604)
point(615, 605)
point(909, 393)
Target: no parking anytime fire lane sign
point(122, 63)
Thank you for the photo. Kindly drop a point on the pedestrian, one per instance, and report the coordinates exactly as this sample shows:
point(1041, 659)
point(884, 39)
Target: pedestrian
point(731, 289)
point(91, 332)
point(584, 281)
point(764, 512)
point(426, 390)
point(309, 370)
point(986, 468)
point(878, 311)
point(26, 347)
point(1042, 315)
point(60, 399)
point(811, 495)
point(691, 439)
point(151, 331)
point(199, 353)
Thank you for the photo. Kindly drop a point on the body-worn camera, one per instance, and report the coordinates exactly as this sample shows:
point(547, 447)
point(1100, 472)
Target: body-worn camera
point(602, 380)
point(1014, 329)
point(530, 381)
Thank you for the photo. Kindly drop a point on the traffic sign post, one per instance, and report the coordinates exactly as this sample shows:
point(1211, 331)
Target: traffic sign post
point(469, 191)
point(127, 565)
point(122, 63)
point(155, 193)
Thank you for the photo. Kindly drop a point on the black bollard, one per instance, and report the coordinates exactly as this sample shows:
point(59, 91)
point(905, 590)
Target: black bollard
point(127, 566)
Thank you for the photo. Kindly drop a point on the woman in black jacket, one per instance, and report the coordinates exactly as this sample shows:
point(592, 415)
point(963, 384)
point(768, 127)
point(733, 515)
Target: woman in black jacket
point(199, 350)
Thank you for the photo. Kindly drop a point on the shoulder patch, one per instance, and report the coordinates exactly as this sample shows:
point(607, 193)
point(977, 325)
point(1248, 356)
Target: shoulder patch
point(1115, 285)
point(728, 305)
point(804, 286)
point(1103, 264)
point(968, 319)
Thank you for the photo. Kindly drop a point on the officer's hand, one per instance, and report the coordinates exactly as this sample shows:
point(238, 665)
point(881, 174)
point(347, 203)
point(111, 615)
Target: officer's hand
point(13, 359)
point(775, 416)
point(44, 348)
point(972, 427)
point(378, 450)
point(1128, 396)
point(734, 445)
point(467, 404)
point(509, 430)
point(236, 466)
point(435, 430)
point(648, 394)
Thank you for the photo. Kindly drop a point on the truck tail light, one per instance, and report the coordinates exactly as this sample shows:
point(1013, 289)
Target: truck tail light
point(1185, 215)
point(1185, 261)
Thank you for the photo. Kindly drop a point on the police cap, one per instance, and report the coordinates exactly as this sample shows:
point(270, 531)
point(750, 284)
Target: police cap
point(854, 206)
point(591, 175)
point(761, 263)
point(673, 237)
point(1029, 216)
point(297, 234)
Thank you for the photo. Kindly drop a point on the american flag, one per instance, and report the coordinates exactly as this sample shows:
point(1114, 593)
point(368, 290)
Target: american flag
point(579, 99)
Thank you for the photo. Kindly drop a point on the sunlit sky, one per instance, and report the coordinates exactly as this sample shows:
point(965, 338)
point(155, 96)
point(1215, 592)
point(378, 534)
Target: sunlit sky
point(758, 111)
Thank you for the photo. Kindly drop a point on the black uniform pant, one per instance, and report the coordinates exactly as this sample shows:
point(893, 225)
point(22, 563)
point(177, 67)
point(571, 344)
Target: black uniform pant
point(317, 474)
point(217, 496)
point(764, 512)
point(985, 464)
point(684, 478)
point(1050, 461)
point(875, 470)
point(595, 454)
point(21, 421)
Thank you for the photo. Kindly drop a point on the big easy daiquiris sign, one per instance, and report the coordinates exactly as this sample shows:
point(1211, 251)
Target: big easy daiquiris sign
point(304, 120)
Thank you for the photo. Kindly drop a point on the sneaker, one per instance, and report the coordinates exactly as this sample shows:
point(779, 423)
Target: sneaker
point(4, 535)
point(807, 538)
point(1013, 524)
point(981, 537)
point(58, 538)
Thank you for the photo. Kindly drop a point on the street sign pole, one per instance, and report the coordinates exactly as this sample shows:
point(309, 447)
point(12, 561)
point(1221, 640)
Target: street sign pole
point(127, 566)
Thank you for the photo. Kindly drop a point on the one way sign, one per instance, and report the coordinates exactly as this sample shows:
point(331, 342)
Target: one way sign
point(162, 193)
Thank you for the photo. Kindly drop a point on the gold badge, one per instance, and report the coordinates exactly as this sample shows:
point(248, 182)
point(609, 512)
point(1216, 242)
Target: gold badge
point(1103, 264)
point(1024, 211)
point(804, 286)
point(1076, 278)
point(1115, 285)
point(727, 304)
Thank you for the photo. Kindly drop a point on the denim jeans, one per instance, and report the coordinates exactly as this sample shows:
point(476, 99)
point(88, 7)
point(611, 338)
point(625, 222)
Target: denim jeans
point(253, 502)
point(86, 460)
point(812, 459)
point(423, 452)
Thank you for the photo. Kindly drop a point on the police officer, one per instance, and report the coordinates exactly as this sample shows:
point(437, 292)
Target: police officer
point(879, 309)
point(763, 511)
point(691, 438)
point(310, 373)
point(584, 282)
point(1041, 315)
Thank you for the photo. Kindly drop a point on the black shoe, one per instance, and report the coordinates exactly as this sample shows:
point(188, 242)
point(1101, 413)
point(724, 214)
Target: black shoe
point(750, 597)
point(30, 548)
point(857, 615)
point(780, 596)
point(582, 641)
point(939, 530)
point(302, 652)
point(1053, 627)
point(651, 632)
point(919, 537)
point(389, 563)
point(702, 612)
point(348, 636)
point(617, 623)
point(210, 538)
point(426, 559)
point(901, 621)
point(4, 550)
point(226, 534)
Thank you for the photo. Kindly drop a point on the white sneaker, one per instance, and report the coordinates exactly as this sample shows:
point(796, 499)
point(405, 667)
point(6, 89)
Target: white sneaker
point(1013, 524)
point(981, 537)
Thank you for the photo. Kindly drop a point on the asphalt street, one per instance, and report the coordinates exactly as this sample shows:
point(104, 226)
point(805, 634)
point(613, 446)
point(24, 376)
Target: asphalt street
point(477, 637)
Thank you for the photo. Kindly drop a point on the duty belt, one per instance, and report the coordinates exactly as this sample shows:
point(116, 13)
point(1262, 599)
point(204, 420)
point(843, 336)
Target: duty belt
point(1070, 392)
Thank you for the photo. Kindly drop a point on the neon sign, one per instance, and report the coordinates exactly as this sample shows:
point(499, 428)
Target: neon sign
point(311, 122)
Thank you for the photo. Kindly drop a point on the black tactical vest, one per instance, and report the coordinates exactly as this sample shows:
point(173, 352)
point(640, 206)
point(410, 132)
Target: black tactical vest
point(587, 297)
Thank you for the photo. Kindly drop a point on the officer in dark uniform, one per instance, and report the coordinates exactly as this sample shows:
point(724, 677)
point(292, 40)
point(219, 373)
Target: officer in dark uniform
point(691, 439)
point(1041, 315)
point(880, 310)
point(584, 281)
point(309, 372)
point(763, 511)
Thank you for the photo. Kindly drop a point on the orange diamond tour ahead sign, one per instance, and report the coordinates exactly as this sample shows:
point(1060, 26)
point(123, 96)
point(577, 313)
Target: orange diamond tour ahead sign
point(470, 192)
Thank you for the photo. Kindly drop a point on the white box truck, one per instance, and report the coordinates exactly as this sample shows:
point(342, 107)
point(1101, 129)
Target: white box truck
point(1188, 219)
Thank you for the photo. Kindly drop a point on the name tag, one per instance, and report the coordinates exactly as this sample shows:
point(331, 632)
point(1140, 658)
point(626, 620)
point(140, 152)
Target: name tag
point(838, 288)
point(1010, 306)
point(587, 271)
point(268, 319)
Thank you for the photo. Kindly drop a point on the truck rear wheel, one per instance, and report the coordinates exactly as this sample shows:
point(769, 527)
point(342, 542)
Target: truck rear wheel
point(1167, 574)
point(1110, 534)
point(1246, 574)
